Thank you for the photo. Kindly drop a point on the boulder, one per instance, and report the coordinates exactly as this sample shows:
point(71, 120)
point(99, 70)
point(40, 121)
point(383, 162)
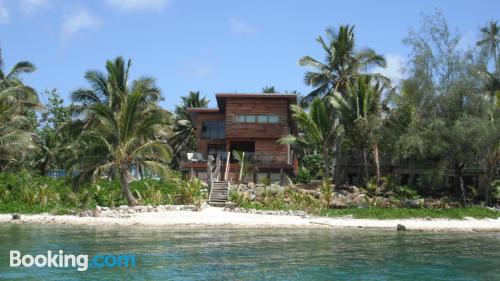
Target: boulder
point(338, 204)
point(353, 189)
point(413, 203)
point(343, 192)
point(16, 216)
point(400, 227)
point(362, 200)
point(230, 205)
point(96, 213)
point(251, 185)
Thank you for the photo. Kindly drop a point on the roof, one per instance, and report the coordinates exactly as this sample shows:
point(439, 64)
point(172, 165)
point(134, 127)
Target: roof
point(255, 95)
point(221, 97)
point(202, 109)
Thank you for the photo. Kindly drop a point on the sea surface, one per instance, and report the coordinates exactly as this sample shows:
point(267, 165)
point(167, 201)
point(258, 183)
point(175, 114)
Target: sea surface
point(243, 254)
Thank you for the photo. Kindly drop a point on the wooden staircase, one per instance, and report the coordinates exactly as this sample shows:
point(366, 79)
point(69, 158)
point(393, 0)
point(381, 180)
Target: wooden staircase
point(219, 193)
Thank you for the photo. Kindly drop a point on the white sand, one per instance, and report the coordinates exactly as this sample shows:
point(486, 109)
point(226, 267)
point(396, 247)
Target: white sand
point(216, 217)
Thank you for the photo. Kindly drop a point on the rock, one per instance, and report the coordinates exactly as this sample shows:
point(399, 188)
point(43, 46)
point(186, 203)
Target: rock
point(131, 211)
point(104, 208)
point(413, 203)
point(98, 208)
point(362, 190)
point(96, 213)
point(400, 227)
point(362, 200)
point(230, 205)
point(16, 216)
point(337, 203)
point(389, 193)
point(343, 192)
point(353, 189)
point(123, 207)
point(251, 185)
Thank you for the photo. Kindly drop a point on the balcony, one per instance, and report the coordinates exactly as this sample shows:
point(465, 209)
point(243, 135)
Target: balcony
point(259, 159)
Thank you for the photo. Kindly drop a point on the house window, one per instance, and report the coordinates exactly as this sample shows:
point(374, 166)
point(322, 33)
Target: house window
point(213, 129)
point(274, 119)
point(260, 118)
point(250, 118)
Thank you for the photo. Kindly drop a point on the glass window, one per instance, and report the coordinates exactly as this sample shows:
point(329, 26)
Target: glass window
point(250, 118)
point(213, 129)
point(274, 119)
point(240, 119)
point(261, 118)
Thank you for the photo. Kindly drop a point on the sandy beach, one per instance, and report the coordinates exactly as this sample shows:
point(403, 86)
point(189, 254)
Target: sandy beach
point(217, 217)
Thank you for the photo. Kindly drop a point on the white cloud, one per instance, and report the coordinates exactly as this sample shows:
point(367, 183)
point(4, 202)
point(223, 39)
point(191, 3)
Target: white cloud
point(135, 5)
point(242, 27)
point(31, 6)
point(81, 20)
point(394, 69)
point(4, 15)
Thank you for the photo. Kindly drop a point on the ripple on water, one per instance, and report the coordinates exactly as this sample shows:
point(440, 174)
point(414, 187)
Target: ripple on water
point(284, 254)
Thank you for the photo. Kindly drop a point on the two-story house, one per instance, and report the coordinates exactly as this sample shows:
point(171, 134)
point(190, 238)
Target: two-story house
point(250, 123)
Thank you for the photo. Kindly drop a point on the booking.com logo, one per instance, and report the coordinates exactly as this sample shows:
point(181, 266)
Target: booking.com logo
point(80, 262)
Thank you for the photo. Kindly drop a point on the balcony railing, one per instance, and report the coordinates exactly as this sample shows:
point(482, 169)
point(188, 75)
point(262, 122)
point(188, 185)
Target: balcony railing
point(261, 159)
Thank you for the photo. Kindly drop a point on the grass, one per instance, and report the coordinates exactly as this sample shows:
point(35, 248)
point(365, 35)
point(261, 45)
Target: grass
point(404, 213)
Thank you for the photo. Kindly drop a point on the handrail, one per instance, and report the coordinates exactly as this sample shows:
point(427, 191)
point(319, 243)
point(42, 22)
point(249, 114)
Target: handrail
point(226, 172)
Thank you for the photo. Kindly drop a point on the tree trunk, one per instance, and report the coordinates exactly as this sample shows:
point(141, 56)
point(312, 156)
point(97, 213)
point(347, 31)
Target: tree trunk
point(338, 157)
point(365, 164)
point(125, 188)
point(326, 167)
point(377, 161)
point(460, 182)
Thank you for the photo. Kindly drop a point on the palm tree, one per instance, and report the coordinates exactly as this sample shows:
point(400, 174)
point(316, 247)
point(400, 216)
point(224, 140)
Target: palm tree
point(490, 41)
point(319, 127)
point(123, 126)
point(246, 163)
point(360, 109)
point(184, 139)
point(15, 101)
point(342, 66)
point(269, 90)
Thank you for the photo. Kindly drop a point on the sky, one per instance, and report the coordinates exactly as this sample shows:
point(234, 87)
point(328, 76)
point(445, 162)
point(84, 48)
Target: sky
point(210, 46)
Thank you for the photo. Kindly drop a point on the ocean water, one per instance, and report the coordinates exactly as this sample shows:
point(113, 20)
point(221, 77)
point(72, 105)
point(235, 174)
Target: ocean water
point(243, 254)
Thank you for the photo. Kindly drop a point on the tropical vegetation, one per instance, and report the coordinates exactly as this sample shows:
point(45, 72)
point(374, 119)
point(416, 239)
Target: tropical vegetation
point(113, 143)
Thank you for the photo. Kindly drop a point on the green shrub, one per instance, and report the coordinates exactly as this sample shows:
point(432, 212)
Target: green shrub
point(495, 191)
point(326, 192)
point(303, 176)
point(314, 164)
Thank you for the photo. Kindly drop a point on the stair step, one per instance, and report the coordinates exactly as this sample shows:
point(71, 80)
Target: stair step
point(219, 193)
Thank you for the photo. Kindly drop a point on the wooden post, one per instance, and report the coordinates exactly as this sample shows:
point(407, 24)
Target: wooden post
point(242, 163)
point(282, 178)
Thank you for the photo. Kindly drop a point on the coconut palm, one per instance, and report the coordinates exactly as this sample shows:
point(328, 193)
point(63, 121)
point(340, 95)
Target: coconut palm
point(342, 66)
point(15, 101)
point(490, 42)
point(269, 90)
point(184, 139)
point(360, 109)
point(318, 127)
point(123, 126)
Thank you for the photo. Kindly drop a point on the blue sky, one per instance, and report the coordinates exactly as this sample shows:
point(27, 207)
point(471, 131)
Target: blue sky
point(210, 46)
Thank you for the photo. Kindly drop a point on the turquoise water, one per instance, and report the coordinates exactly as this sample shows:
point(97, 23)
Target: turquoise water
point(231, 254)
